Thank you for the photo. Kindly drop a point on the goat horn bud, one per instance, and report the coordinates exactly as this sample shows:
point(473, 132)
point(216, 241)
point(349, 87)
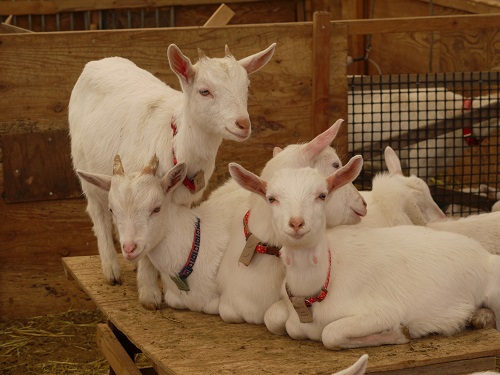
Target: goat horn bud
point(117, 166)
point(226, 49)
point(201, 54)
point(151, 167)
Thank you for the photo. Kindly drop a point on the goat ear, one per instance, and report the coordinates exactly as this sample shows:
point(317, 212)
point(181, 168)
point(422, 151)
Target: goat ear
point(276, 151)
point(174, 177)
point(247, 180)
point(346, 174)
point(180, 64)
point(100, 180)
point(256, 61)
point(357, 368)
point(322, 141)
point(392, 161)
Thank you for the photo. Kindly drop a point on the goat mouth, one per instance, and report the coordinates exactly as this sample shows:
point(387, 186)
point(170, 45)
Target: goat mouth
point(361, 214)
point(242, 137)
point(297, 236)
point(135, 255)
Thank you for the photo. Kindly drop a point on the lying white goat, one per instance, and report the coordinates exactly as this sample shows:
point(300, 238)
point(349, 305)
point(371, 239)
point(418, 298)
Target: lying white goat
point(396, 199)
point(184, 244)
point(247, 291)
point(119, 108)
point(352, 288)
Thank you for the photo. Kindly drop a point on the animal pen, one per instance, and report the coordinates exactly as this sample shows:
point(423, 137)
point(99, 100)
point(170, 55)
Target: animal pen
point(300, 93)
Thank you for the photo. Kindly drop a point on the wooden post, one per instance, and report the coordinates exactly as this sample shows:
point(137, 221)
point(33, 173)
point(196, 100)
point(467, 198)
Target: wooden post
point(114, 352)
point(221, 17)
point(320, 72)
point(339, 87)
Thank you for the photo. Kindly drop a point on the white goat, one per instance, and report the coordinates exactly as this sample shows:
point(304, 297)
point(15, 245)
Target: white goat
point(118, 108)
point(177, 239)
point(248, 291)
point(372, 286)
point(396, 199)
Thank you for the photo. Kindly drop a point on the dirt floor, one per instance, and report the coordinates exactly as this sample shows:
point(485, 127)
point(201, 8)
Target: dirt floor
point(52, 344)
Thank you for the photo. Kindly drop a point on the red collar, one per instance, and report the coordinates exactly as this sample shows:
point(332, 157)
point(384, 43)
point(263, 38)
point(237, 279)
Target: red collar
point(324, 290)
point(262, 247)
point(198, 182)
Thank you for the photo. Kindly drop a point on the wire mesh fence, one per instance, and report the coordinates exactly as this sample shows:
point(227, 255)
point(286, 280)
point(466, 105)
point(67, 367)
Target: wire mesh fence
point(444, 127)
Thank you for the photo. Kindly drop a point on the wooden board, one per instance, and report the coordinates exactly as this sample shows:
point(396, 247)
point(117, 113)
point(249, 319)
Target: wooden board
point(37, 166)
point(185, 342)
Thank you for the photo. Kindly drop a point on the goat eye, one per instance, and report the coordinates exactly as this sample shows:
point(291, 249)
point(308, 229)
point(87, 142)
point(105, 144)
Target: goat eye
point(336, 164)
point(110, 210)
point(156, 210)
point(204, 92)
point(322, 196)
point(271, 199)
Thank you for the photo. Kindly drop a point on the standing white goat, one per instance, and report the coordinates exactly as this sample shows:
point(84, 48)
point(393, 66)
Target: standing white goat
point(184, 244)
point(247, 291)
point(352, 288)
point(119, 108)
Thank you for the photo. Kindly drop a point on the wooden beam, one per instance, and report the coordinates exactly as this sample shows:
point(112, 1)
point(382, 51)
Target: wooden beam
point(419, 24)
point(25, 7)
point(320, 72)
point(471, 6)
point(114, 352)
point(221, 17)
point(7, 28)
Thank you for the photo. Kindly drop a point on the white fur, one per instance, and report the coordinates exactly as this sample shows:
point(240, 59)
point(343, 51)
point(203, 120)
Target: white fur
point(166, 237)
point(396, 199)
point(382, 280)
point(248, 291)
point(118, 108)
point(358, 368)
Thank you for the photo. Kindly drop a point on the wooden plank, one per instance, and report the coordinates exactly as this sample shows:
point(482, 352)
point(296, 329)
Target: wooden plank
point(114, 353)
point(6, 28)
point(339, 88)
point(471, 6)
point(450, 368)
point(25, 7)
point(419, 24)
point(221, 17)
point(320, 116)
point(197, 343)
point(37, 166)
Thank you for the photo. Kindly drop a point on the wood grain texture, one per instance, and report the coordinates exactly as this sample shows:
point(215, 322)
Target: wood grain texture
point(22, 7)
point(37, 166)
point(185, 342)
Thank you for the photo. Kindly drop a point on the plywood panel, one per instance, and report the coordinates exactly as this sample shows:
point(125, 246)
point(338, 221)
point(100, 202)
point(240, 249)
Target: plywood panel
point(37, 166)
point(200, 343)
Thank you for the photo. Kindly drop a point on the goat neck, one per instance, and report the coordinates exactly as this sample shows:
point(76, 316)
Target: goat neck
point(306, 268)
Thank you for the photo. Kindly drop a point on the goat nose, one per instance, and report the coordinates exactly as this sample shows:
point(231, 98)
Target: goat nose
point(129, 247)
point(364, 202)
point(296, 223)
point(243, 123)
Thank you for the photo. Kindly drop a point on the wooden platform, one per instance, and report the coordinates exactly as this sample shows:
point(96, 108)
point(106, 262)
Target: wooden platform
point(185, 342)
